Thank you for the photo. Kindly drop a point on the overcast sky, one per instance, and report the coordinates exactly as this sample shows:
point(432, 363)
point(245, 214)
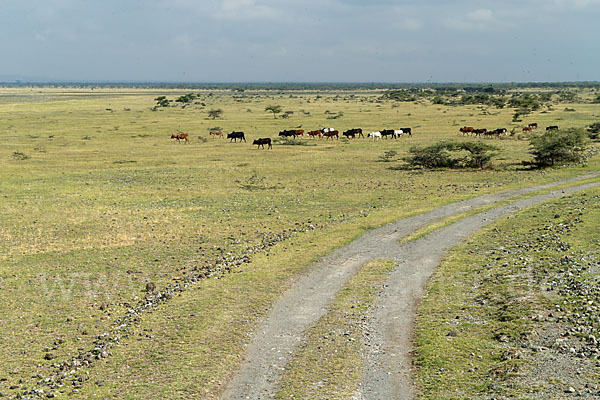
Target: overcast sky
point(300, 40)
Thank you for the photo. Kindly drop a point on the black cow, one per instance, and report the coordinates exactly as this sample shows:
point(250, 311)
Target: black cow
point(492, 133)
point(262, 142)
point(235, 136)
point(387, 132)
point(407, 131)
point(351, 133)
point(288, 133)
point(496, 132)
point(552, 128)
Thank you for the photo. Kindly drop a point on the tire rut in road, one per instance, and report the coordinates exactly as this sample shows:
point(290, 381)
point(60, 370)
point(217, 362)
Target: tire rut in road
point(279, 334)
point(390, 329)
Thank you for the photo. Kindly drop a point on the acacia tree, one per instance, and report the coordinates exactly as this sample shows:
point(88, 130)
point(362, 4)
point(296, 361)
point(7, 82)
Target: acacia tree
point(162, 101)
point(451, 155)
point(186, 99)
point(274, 109)
point(558, 147)
point(215, 113)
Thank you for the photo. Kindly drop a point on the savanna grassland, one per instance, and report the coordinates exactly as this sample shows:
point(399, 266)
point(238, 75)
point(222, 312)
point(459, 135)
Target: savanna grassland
point(96, 201)
point(513, 313)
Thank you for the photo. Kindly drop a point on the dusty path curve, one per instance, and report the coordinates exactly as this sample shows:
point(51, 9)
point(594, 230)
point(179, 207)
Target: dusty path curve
point(298, 309)
point(388, 364)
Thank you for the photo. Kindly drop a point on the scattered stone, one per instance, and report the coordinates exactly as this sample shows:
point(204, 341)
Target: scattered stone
point(225, 264)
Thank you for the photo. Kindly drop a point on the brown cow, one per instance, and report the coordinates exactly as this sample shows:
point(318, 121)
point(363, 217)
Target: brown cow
point(181, 136)
point(216, 133)
point(262, 141)
point(466, 130)
point(479, 132)
point(331, 134)
point(527, 128)
point(312, 134)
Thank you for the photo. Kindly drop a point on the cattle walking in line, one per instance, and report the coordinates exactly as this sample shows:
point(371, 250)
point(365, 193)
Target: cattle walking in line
point(216, 133)
point(181, 136)
point(235, 136)
point(552, 128)
point(312, 134)
point(261, 142)
point(374, 135)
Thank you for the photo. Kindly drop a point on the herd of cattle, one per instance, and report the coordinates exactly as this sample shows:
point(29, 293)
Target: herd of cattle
point(354, 133)
point(321, 133)
point(469, 130)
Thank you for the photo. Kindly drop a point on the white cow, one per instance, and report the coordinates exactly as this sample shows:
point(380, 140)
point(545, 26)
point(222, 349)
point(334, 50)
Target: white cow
point(375, 135)
point(398, 133)
point(325, 130)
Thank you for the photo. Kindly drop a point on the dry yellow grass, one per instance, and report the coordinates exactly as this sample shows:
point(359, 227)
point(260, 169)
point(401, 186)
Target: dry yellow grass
point(107, 202)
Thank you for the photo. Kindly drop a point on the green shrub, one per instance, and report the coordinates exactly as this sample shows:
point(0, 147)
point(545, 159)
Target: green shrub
point(17, 155)
point(557, 147)
point(284, 141)
point(388, 156)
point(452, 155)
point(479, 154)
point(594, 130)
point(434, 156)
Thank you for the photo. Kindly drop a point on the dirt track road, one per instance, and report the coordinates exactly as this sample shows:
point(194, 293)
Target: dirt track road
point(387, 368)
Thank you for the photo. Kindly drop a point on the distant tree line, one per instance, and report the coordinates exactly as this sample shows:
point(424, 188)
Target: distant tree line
point(240, 87)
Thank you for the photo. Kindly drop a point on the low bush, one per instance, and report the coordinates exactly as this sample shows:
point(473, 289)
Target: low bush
point(388, 156)
point(19, 156)
point(452, 155)
point(594, 130)
point(284, 141)
point(556, 147)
